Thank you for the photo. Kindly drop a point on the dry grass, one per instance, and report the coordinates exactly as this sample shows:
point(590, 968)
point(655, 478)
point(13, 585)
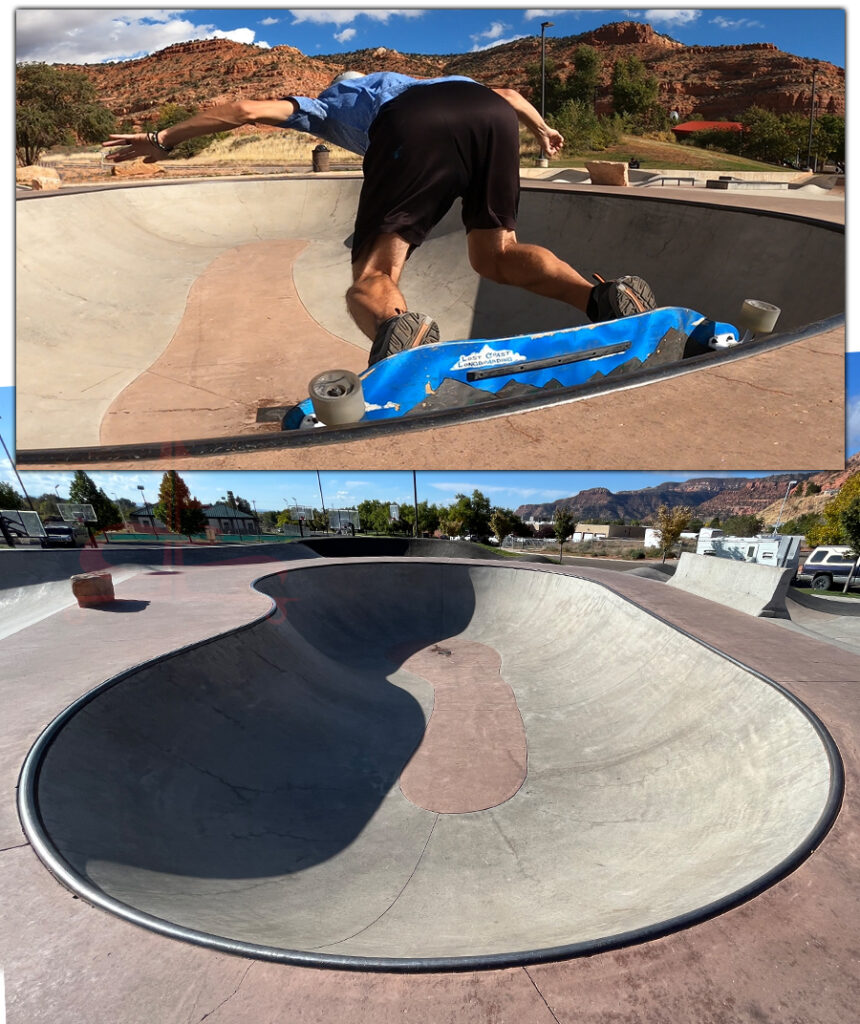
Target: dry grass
point(270, 148)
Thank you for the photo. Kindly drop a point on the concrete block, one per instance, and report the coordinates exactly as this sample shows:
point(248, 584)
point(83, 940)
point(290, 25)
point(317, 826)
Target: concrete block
point(608, 172)
point(93, 588)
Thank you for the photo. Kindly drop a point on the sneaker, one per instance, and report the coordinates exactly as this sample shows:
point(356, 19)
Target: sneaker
point(399, 333)
point(627, 296)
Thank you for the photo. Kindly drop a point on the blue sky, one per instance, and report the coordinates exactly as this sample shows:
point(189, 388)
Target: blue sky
point(73, 35)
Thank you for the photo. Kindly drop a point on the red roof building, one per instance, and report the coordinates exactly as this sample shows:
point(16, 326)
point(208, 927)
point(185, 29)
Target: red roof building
point(688, 127)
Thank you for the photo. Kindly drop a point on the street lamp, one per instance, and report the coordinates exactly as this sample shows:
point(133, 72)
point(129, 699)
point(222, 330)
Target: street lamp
point(811, 120)
point(791, 483)
point(298, 519)
point(148, 510)
point(544, 26)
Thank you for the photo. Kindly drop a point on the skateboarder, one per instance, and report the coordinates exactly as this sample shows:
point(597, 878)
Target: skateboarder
point(425, 142)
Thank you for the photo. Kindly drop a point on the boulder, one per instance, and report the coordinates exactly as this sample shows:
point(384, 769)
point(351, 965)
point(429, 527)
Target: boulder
point(608, 172)
point(93, 588)
point(37, 178)
point(135, 169)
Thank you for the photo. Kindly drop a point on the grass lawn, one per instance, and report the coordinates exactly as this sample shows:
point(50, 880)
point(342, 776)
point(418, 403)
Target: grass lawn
point(835, 591)
point(655, 154)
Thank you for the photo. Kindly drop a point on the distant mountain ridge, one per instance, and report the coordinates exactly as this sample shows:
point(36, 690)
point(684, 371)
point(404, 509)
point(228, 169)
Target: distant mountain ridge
point(707, 496)
point(713, 81)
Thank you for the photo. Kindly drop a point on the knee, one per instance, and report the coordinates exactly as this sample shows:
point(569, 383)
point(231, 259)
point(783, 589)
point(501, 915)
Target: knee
point(489, 263)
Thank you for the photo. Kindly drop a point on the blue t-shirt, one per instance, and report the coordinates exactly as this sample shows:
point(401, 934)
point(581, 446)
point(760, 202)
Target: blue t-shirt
point(343, 113)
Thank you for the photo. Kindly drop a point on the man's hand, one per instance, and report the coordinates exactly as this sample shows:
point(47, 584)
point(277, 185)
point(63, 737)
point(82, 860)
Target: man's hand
point(551, 141)
point(132, 147)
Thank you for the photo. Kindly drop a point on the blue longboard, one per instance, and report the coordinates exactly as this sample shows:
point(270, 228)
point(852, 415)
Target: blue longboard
point(457, 374)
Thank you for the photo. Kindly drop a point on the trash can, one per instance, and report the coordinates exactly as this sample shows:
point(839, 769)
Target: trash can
point(321, 157)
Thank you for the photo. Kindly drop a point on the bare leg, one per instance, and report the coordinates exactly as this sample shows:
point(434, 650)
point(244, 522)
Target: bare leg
point(496, 254)
point(375, 296)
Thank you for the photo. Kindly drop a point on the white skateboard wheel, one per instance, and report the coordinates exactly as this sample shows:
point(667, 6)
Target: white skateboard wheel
point(337, 397)
point(759, 316)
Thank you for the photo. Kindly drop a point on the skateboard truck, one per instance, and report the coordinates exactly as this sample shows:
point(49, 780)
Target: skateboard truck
point(756, 316)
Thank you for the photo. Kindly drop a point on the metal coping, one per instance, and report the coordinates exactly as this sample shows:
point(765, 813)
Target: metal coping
point(287, 439)
point(37, 834)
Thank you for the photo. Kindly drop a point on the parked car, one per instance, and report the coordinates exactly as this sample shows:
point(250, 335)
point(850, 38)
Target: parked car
point(61, 537)
point(828, 565)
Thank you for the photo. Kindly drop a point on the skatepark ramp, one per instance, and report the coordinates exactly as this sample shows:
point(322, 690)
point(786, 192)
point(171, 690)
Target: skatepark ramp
point(751, 588)
point(412, 765)
point(249, 278)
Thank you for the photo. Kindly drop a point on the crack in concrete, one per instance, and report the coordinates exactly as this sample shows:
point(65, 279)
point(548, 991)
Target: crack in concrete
point(232, 995)
point(525, 971)
point(391, 905)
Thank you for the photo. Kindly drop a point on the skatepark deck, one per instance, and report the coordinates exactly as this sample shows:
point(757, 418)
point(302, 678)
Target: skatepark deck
point(786, 950)
point(249, 278)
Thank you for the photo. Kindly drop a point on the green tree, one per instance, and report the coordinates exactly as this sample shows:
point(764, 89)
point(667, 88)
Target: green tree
point(84, 490)
point(10, 498)
point(582, 84)
point(766, 136)
point(829, 137)
point(503, 522)
point(554, 87)
point(831, 530)
point(177, 509)
point(743, 526)
point(55, 107)
point(849, 518)
point(803, 525)
point(473, 513)
point(428, 518)
point(671, 523)
point(562, 526)
point(375, 516)
point(634, 88)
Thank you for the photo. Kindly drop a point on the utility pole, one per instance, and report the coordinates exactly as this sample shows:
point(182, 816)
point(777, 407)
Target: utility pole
point(811, 119)
point(544, 26)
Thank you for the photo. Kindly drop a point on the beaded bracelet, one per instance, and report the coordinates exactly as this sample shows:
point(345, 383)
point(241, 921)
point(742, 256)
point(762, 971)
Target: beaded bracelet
point(153, 138)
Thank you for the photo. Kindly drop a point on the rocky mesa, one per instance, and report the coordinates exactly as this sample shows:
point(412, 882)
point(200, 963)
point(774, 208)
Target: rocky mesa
point(709, 81)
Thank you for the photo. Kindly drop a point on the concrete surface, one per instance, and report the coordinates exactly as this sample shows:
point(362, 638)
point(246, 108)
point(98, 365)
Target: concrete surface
point(250, 277)
point(225, 789)
point(754, 589)
point(787, 954)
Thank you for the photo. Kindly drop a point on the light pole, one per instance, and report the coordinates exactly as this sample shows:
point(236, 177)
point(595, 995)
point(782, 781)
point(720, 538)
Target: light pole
point(811, 121)
point(544, 26)
point(148, 510)
point(791, 483)
point(121, 510)
point(322, 501)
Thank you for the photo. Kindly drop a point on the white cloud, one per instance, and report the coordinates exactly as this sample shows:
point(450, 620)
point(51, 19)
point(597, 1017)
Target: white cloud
point(91, 36)
point(728, 23)
point(345, 36)
point(676, 19)
point(497, 42)
point(532, 15)
point(493, 32)
point(346, 17)
point(270, 21)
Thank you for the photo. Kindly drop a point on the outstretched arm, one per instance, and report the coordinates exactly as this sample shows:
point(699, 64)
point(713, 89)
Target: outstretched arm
point(550, 140)
point(217, 119)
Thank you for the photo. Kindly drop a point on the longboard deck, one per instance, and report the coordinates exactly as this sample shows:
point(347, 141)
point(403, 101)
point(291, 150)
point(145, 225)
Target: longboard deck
point(457, 374)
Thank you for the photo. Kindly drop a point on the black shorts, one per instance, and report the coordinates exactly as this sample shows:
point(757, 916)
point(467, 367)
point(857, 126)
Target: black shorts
point(430, 145)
